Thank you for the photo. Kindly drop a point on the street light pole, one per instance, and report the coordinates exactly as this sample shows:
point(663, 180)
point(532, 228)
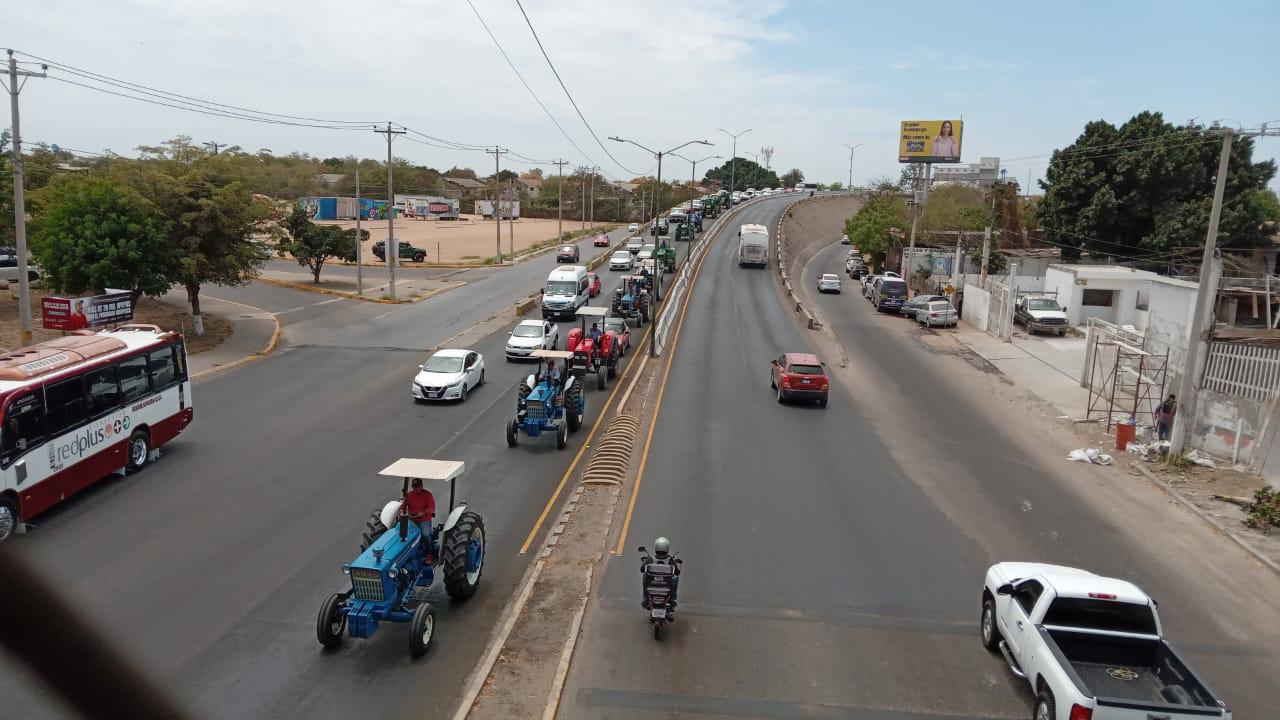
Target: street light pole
point(657, 275)
point(392, 246)
point(849, 187)
point(733, 162)
point(19, 199)
point(560, 200)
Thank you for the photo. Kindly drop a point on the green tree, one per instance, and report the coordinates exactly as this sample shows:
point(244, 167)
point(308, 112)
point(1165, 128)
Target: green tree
point(953, 207)
point(746, 174)
point(95, 233)
point(836, 186)
point(1267, 205)
point(1147, 186)
point(792, 177)
point(868, 230)
point(312, 245)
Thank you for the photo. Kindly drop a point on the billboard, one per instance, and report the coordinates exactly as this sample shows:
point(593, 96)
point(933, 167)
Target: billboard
point(930, 141)
point(60, 313)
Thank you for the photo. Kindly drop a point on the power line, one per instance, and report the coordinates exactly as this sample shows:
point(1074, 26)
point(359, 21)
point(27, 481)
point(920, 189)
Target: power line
point(566, 90)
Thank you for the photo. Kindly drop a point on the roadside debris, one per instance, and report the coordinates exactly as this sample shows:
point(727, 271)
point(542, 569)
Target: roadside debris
point(1149, 451)
point(1199, 458)
point(1093, 456)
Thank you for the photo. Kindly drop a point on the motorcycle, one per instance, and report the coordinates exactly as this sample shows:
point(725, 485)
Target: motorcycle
point(660, 582)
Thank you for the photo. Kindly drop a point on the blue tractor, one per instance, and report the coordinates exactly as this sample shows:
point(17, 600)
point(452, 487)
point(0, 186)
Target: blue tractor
point(397, 565)
point(543, 406)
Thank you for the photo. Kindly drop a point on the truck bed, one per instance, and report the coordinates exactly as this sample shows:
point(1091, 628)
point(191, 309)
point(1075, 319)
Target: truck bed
point(1136, 670)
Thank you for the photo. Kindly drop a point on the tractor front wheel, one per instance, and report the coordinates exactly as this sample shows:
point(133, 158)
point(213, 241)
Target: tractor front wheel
point(462, 556)
point(602, 380)
point(421, 630)
point(331, 623)
point(512, 432)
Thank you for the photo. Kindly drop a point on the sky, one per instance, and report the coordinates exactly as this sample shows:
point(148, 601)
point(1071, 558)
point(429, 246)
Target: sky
point(805, 77)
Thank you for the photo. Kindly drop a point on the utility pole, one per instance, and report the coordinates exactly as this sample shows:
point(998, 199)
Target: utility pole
point(986, 238)
point(497, 195)
point(392, 248)
point(359, 259)
point(215, 146)
point(511, 217)
point(584, 204)
point(849, 187)
point(733, 162)
point(19, 198)
point(594, 168)
point(560, 200)
point(915, 220)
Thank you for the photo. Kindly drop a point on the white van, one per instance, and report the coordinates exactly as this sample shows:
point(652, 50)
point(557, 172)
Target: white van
point(753, 245)
point(567, 290)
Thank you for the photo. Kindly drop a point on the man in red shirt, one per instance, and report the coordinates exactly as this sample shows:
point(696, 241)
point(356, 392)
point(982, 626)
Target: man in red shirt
point(420, 506)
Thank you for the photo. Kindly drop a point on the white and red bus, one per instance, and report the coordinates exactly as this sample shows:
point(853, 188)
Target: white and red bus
point(78, 408)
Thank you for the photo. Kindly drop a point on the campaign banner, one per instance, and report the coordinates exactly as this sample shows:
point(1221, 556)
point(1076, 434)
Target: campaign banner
point(61, 313)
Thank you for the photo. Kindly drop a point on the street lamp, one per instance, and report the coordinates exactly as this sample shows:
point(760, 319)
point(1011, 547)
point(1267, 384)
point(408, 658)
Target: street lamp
point(657, 276)
point(733, 163)
point(851, 147)
point(693, 173)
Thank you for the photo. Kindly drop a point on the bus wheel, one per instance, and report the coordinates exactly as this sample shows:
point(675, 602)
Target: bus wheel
point(139, 450)
point(8, 519)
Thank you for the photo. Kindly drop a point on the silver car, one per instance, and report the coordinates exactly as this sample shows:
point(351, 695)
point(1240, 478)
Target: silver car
point(829, 283)
point(938, 313)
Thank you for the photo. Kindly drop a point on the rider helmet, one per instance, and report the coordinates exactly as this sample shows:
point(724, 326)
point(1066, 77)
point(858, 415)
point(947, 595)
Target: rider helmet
point(661, 547)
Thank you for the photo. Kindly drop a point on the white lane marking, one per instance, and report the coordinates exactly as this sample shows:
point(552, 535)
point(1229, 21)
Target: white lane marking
point(326, 302)
point(233, 302)
point(286, 312)
point(379, 317)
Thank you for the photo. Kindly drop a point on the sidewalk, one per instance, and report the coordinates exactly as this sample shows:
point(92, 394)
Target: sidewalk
point(375, 283)
point(254, 333)
point(1044, 369)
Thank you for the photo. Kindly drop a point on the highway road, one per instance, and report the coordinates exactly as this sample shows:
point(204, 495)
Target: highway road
point(209, 567)
point(834, 557)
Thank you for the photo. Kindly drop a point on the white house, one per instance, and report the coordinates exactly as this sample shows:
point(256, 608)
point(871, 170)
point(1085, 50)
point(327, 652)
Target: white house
point(1113, 293)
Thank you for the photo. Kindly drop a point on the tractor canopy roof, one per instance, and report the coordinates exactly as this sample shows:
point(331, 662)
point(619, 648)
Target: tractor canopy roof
point(439, 470)
point(592, 311)
point(551, 354)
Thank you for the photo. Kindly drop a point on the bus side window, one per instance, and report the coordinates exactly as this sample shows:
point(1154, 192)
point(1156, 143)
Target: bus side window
point(162, 370)
point(63, 406)
point(180, 360)
point(104, 391)
point(23, 427)
point(133, 378)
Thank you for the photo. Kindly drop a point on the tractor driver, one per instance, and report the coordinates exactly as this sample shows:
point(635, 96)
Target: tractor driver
point(551, 373)
point(420, 506)
point(594, 333)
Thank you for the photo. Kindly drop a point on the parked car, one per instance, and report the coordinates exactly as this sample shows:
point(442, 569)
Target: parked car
point(799, 376)
point(567, 254)
point(621, 260)
point(634, 244)
point(829, 282)
point(844, 239)
point(867, 283)
point(600, 240)
point(621, 331)
point(892, 274)
point(448, 375)
point(407, 251)
point(887, 293)
point(633, 227)
point(1040, 313)
point(938, 313)
point(593, 284)
point(1091, 647)
point(530, 335)
point(909, 307)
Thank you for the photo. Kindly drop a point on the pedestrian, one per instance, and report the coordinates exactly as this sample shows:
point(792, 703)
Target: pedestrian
point(1164, 417)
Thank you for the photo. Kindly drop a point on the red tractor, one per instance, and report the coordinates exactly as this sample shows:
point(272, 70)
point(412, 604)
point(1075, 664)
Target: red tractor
point(589, 355)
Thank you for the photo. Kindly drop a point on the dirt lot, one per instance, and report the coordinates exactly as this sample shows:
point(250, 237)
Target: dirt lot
point(467, 240)
point(169, 317)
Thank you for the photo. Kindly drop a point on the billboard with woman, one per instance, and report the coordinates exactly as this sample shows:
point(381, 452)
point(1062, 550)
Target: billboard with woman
point(930, 141)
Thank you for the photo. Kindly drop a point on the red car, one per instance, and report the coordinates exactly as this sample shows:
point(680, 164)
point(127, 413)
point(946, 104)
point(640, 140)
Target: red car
point(621, 332)
point(799, 376)
point(567, 253)
point(601, 240)
point(593, 284)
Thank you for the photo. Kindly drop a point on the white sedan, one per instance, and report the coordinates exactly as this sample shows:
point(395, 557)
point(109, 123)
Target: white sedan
point(829, 283)
point(448, 375)
point(621, 260)
point(531, 335)
point(633, 227)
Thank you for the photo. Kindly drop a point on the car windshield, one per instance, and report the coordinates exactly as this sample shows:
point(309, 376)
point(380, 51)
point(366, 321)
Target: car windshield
point(830, 278)
point(624, 255)
point(1101, 615)
point(798, 369)
point(568, 249)
point(1042, 304)
point(443, 364)
point(562, 287)
point(893, 289)
point(530, 331)
point(616, 325)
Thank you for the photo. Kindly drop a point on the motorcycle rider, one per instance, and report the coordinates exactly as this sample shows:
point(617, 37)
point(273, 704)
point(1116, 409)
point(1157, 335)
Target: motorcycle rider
point(661, 556)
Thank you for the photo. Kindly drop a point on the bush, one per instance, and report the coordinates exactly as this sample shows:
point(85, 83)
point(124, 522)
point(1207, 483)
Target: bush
point(1264, 511)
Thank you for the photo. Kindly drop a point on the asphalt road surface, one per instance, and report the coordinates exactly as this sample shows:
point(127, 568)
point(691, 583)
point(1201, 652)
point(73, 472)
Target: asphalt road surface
point(209, 567)
point(834, 557)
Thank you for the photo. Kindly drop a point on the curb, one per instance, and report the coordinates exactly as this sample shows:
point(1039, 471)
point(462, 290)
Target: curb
point(350, 295)
point(264, 352)
point(1207, 518)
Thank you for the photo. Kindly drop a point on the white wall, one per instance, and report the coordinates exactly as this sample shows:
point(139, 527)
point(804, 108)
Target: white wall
point(976, 306)
point(1169, 323)
point(1064, 284)
point(1124, 303)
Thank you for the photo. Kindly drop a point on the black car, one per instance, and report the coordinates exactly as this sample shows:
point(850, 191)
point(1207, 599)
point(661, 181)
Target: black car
point(567, 253)
point(660, 228)
point(407, 251)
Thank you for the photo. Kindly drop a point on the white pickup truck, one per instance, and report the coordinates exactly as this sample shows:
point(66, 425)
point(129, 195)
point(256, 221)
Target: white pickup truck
point(1090, 646)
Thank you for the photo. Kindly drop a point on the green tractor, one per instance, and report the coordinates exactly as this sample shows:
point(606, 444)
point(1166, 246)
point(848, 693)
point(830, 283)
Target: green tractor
point(666, 255)
point(684, 231)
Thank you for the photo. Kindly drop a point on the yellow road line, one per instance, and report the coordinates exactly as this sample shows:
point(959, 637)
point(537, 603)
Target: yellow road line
point(564, 479)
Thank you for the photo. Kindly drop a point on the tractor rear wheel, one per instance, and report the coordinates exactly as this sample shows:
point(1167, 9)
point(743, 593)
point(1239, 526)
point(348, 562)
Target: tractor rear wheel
point(421, 630)
point(602, 380)
point(331, 623)
point(613, 369)
point(462, 556)
point(512, 433)
point(373, 529)
point(573, 407)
